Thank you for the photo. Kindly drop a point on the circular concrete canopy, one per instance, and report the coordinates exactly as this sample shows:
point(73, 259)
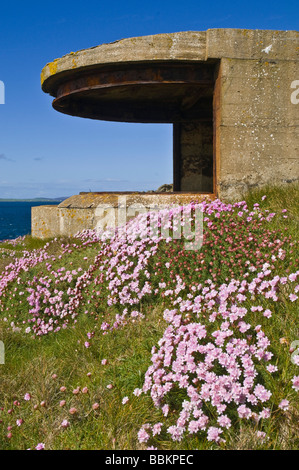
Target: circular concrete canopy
point(161, 78)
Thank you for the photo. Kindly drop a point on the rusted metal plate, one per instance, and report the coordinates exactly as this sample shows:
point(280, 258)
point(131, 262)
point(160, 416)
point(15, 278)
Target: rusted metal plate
point(156, 93)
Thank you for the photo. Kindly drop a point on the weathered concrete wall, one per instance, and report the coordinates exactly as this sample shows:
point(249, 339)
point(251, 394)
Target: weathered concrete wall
point(96, 211)
point(258, 125)
point(256, 139)
point(51, 221)
point(252, 44)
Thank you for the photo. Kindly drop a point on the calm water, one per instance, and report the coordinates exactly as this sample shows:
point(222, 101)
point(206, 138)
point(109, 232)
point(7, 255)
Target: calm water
point(15, 218)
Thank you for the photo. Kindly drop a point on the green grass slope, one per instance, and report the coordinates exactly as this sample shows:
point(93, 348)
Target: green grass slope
point(85, 324)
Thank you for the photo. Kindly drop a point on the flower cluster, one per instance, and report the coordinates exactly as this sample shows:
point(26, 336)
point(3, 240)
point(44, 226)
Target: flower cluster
point(217, 362)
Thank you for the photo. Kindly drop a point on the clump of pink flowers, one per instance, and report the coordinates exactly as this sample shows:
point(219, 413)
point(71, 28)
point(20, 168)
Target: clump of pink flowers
point(217, 360)
point(217, 302)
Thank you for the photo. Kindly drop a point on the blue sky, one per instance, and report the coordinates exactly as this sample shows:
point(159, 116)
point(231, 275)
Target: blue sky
point(46, 154)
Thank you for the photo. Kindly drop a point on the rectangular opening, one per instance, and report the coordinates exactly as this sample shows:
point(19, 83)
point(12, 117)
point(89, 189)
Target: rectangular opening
point(193, 156)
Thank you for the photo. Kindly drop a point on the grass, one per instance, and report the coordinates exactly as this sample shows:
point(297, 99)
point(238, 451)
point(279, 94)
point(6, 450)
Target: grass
point(41, 365)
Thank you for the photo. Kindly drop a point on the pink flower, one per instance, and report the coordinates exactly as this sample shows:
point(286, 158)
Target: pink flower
point(295, 382)
point(95, 406)
point(157, 428)
point(265, 413)
point(267, 313)
point(27, 397)
point(125, 400)
point(284, 405)
point(244, 412)
point(261, 435)
point(214, 434)
point(224, 421)
point(65, 423)
point(262, 393)
point(143, 436)
point(40, 446)
point(293, 297)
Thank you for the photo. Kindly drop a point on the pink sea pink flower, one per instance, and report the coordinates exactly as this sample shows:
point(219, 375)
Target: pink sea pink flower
point(262, 393)
point(267, 313)
point(293, 297)
point(157, 428)
point(284, 404)
point(143, 436)
point(261, 435)
point(295, 382)
point(40, 446)
point(265, 413)
point(224, 421)
point(65, 423)
point(244, 412)
point(214, 434)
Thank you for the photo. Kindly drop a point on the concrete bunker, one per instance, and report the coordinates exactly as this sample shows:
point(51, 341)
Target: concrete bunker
point(167, 92)
point(225, 91)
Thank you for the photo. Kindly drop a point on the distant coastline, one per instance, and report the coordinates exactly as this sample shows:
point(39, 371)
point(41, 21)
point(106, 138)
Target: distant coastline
point(37, 199)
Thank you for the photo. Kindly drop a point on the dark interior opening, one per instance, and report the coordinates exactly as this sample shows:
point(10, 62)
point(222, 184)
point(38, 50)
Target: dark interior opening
point(193, 156)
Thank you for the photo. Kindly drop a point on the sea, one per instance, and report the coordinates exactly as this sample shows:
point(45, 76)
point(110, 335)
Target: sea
point(15, 218)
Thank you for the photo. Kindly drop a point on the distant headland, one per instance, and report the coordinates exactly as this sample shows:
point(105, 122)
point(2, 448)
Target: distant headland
point(36, 199)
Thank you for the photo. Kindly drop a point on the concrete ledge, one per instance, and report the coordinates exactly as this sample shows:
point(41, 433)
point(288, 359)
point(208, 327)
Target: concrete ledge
point(92, 211)
point(185, 46)
point(181, 46)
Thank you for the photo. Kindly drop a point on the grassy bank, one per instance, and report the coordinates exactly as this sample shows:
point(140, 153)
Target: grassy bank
point(140, 343)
